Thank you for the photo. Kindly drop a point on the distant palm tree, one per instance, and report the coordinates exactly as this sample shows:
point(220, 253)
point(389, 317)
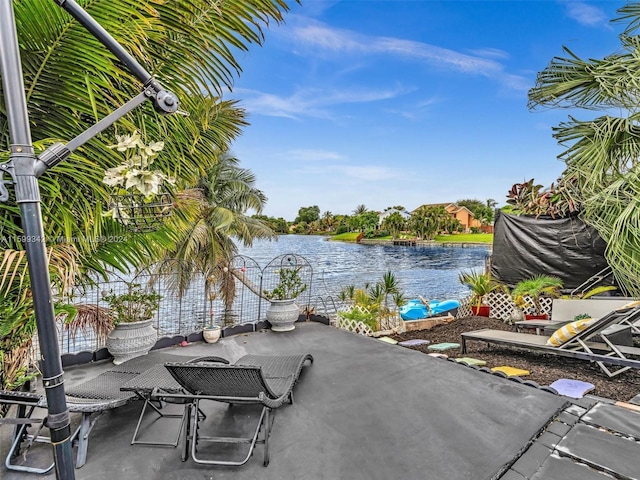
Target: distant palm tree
point(395, 223)
point(327, 220)
point(429, 221)
point(360, 209)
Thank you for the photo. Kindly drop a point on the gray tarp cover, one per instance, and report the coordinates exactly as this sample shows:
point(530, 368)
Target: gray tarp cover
point(525, 246)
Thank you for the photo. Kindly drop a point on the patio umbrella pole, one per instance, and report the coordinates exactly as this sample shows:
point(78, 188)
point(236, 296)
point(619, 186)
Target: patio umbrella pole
point(21, 168)
point(24, 168)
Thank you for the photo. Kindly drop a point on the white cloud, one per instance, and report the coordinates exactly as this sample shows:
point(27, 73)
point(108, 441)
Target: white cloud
point(354, 174)
point(321, 37)
point(517, 82)
point(312, 35)
point(311, 102)
point(586, 14)
point(490, 53)
point(310, 155)
point(350, 49)
point(417, 110)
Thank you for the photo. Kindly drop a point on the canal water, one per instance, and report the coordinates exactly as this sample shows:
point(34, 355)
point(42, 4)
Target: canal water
point(427, 271)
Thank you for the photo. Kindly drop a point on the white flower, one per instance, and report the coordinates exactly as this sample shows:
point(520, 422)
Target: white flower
point(134, 184)
point(153, 148)
point(137, 161)
point(133, 173)
point(127, 141)
point(144, 181)
point(115, 176)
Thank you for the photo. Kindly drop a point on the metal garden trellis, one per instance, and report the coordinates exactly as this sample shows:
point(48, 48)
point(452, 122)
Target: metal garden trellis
point(139, 214)
point(234, 298)
point(24, 168)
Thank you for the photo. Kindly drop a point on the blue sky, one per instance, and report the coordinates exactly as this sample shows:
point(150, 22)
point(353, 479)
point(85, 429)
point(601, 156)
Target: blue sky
point(397, 102)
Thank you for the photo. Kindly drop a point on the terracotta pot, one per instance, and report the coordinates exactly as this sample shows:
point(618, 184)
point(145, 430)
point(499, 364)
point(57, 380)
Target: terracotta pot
point(481, 311)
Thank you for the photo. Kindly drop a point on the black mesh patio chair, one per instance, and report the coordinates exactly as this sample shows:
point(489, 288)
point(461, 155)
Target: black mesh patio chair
point(151, 386)
point(252, 380)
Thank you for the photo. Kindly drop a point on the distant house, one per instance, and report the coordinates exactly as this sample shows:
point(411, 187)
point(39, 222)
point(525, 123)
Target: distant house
point(383, 215)
point(460, 213)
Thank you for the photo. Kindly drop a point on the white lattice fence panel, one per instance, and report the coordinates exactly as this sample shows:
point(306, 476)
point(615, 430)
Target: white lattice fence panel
point(503, 307)
point(547, 304)
point(387, 324)
point(355, 326)
point(391, 322)
point(464, 309)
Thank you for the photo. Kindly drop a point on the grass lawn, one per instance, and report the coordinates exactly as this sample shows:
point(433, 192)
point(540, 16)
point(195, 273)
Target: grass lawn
point(458, 238)
point(346, 237)
point(466, 238)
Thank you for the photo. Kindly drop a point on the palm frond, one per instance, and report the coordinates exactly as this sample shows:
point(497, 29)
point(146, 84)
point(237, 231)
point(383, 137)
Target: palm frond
point(569, 82)
point(71, 81)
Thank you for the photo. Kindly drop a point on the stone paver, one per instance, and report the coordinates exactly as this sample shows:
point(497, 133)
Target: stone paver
point(471, 361)
point(511, 371)
point(572, 388)
point(441, 347)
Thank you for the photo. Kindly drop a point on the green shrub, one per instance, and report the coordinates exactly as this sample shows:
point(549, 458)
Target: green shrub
point(290, 285)
point(362, 314)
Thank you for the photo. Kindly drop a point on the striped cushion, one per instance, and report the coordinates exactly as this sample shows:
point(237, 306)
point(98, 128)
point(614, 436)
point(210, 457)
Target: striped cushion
point(567, 332)
point(629, 305)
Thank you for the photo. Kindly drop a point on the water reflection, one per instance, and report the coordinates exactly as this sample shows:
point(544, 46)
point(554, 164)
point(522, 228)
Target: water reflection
point(431, 272)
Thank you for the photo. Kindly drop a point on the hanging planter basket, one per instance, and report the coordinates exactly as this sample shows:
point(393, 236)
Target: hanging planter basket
point(141, 202)
point(138, 213)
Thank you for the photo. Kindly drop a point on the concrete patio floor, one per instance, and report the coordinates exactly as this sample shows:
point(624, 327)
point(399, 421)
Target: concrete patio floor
point(369, 410)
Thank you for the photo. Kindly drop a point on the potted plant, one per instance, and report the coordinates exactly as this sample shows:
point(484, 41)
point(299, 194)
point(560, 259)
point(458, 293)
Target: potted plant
point(528, 293)
point(481, 284)
point(139, 199)
point(211, 333)
point(283, 312)
point(132, 312)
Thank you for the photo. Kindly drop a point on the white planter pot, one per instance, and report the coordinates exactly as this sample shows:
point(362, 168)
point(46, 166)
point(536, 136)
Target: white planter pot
point(130, 340)
point(211, 334)
point(282, 315)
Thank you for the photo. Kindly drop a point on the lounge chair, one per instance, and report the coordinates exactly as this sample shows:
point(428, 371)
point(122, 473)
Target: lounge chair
point(90, 398)
point(254, 379)
point(151, 385)
point(581, 345)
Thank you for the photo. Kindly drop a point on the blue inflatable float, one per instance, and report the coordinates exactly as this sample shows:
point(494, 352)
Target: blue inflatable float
point(416, 309)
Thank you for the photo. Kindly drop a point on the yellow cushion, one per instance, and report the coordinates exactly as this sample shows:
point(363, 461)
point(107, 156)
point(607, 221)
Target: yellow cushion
point(629, 305)
point(566, 333)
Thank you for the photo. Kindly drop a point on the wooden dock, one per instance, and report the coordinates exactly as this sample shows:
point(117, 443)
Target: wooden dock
point(406, 242)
